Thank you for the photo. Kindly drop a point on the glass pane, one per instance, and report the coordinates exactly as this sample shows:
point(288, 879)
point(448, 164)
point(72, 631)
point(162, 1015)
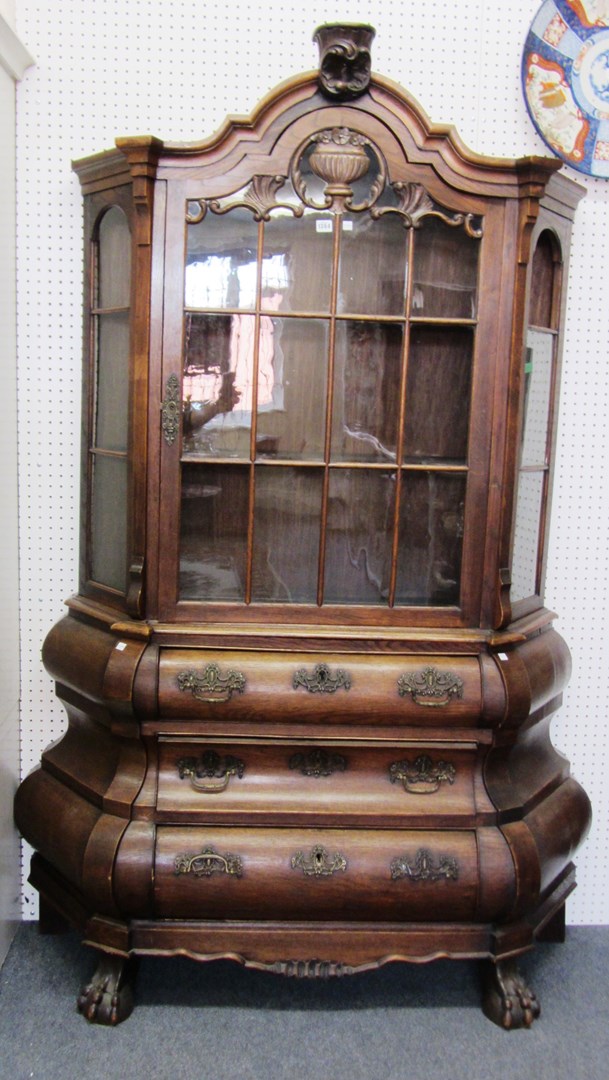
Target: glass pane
point(217, 384)
point(213, 532)
point(526, 536)
point(286, 534)
point(114, 260)
point(112, 404)
point(359, 535)
point(221, 266)
point(445, 271)
point(292, 388)
point(537, 387)
point(297, 262)
point(437, 394)
point(431, 538)
point(372, 269)
point(543, 272)
point(109, 522)
point(366, 391)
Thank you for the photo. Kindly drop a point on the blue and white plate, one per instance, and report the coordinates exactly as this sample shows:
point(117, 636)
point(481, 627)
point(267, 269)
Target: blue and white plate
point(565, 79)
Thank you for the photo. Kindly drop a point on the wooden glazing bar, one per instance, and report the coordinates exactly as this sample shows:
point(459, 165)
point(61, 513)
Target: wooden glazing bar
point(329, 409)
point(401, 424)
point(111, 310)
point(254, 420)
point(120, 454)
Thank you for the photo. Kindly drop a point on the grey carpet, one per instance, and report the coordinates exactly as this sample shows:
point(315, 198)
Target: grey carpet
point(220, 1022)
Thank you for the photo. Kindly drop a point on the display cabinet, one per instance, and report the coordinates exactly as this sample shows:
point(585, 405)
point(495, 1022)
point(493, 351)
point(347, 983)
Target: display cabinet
point(308, 674)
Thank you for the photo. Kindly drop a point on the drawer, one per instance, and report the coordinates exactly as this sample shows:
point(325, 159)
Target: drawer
point(340, 874)
point(355, 688)
point(210, 780)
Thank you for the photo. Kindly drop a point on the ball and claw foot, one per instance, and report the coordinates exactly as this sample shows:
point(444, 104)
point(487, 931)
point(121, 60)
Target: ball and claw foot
point(507, 1000)
point(108, 998)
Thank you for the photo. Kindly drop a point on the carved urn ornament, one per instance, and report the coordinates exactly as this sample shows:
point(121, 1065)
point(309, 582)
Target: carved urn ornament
point(309, 675)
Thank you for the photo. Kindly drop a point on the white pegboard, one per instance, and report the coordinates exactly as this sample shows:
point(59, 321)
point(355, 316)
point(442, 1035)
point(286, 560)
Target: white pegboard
point(174, 69)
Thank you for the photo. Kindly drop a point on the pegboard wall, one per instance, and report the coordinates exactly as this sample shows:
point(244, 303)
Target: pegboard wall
point(175, 69)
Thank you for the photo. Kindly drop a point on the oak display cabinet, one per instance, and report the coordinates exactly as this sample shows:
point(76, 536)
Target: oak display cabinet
point(309, 675)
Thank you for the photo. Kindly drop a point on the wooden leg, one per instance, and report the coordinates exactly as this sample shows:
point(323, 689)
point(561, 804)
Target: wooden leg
point(49, 919)
point(108, 998)
point(506, 999)
point(554, 930)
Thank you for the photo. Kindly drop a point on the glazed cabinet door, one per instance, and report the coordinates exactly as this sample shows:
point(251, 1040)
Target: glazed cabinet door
point(326, 388)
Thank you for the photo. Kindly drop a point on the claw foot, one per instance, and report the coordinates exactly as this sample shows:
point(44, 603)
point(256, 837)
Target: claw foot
point(507, 1000)
point(108, 998)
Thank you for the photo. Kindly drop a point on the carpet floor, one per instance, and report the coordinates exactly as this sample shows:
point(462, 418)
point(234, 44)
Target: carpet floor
point(220, 1022)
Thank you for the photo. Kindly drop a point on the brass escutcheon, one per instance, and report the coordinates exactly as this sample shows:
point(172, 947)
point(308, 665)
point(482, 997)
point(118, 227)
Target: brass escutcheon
point(321, 680)
point(318, 862)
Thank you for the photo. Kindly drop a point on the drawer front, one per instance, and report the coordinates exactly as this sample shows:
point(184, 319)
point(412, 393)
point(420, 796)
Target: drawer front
point(299, 687)
point(226, 873)
point(287, 782)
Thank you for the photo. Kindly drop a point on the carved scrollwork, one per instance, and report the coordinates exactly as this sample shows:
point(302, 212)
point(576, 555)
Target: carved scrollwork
point(344, 59)
point(422, 777)
point(431, 687)
point(208, 862)
point(307, 969)
point(318, 763)
point(321, 680)
point(415, 203)
point(423, 868)
point(211, 685)
point(195, 211)
point(318, 863)
point(210, 766)
point(260, 199)
point(171, 410)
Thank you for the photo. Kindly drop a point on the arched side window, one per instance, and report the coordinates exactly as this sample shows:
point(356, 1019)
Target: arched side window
point(109, 402)
point(537, 418)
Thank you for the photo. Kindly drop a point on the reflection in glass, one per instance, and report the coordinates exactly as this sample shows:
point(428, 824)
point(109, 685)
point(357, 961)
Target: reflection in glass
point(359, 533)
point(286, 534)
point(292, 388)
point(213, 532)
point(218, 384)
point(372, 269)
point(112, 401)
point(114, 260)
point(537, 387)
point(431, 539)
point(109, 522)
point(366, 391)
point(221, 270)
point(445, 271)
point(526, 536)
point(297, 262)
point(438, 394)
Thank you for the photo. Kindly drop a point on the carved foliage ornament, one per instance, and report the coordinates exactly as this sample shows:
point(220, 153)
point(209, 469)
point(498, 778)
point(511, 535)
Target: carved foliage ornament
point(344, 59)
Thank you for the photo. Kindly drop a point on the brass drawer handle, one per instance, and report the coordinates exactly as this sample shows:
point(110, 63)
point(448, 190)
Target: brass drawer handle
point(321, 680)
point(211, 766)
point(431, 687)
point(318, 763)
point(208, 862)
point(422, 777)
point(422, 867)
point(212, 686)
point(318, 862)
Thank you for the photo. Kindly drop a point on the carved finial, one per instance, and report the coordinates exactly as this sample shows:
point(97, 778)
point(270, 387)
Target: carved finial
point(344, 59)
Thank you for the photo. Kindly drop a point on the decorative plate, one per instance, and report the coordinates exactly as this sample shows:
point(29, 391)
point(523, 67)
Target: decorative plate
point(565, 78)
